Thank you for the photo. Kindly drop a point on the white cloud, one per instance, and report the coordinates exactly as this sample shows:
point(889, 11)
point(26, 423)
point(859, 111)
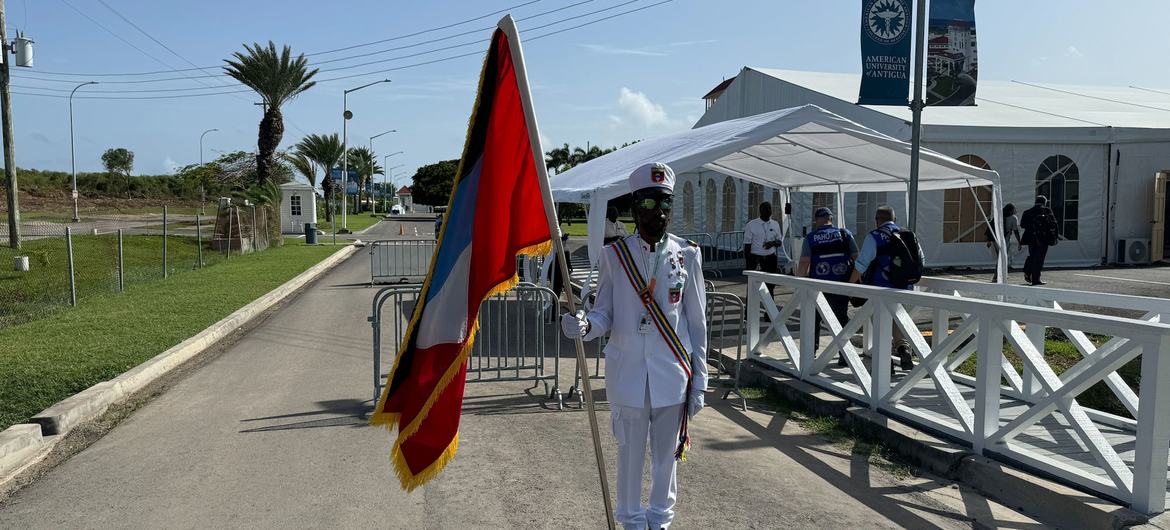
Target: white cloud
point(1072, 51)
point(170, 164)
point(640, 109)
point(610, 50)
point(645, 51)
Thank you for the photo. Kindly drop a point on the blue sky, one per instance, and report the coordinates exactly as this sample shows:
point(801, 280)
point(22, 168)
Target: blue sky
point(631, 77)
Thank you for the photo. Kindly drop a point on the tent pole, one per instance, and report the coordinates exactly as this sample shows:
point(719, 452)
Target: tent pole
point(916, 107)
point(1001, 261)
point(840, 207)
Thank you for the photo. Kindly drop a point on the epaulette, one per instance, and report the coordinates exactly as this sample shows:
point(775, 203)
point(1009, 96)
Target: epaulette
point(692, 243)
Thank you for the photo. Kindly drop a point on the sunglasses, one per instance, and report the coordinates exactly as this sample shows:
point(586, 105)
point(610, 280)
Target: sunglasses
point(650, 203)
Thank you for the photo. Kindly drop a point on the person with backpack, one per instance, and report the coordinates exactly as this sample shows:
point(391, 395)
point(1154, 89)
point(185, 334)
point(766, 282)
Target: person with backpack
point(1041, 231)
point(890, 257)
point(827, 254)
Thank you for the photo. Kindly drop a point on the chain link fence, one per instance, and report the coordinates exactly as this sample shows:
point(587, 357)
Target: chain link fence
point(61, 264)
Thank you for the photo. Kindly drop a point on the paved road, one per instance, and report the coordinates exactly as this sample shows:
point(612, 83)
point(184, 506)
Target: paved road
point(272, 434)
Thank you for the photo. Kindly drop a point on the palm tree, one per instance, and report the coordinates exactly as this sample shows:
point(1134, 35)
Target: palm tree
point(304, 165)
point(325, 151)
point(557, 158)
point(363, 161)
point(276, 78)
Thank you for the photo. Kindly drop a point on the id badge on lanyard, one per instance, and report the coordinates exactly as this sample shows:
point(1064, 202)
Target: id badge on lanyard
point(645, 325)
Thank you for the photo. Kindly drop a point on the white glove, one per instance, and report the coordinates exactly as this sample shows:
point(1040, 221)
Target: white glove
point(574, 326)
point(694, 403)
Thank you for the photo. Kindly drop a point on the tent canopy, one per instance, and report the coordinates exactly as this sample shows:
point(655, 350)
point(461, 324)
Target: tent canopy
point(799, 149)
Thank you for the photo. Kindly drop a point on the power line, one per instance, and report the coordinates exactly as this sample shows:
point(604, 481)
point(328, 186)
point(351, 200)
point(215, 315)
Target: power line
point(400, 37)
point(385, 60)
point(148, 35)
point(382, 71)
point(111, 32)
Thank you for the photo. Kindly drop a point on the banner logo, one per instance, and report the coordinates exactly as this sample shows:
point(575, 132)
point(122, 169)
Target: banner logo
point(886, 21)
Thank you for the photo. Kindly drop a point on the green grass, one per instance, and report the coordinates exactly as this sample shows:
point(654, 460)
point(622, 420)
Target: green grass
point(26, 296)
point(356, 222)
point(1062, 355)
point(47, 360)
point(580, 228)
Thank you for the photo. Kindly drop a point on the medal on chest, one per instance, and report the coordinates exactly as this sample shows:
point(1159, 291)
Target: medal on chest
point(676, 293)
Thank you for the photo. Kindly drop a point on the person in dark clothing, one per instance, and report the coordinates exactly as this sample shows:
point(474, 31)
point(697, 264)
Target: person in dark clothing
point(1040, 233)
point(828, 254)
point(558, 282)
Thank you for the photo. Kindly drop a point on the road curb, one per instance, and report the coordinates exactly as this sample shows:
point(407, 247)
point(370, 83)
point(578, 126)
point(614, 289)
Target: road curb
point(25, 444)
point(1048, 501)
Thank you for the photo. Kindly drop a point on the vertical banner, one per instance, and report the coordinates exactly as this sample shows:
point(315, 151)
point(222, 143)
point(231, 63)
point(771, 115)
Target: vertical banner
point(885, 52)
point(951, 67)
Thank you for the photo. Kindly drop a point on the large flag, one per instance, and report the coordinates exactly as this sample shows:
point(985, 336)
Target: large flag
point(496, 212)
point(951, 65)
point(885, 52)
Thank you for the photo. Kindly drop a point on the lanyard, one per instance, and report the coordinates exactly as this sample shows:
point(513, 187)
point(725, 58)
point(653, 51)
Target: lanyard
point(660, 247)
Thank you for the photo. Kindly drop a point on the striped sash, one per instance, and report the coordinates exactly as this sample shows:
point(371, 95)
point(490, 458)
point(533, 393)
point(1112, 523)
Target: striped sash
point(646, 295)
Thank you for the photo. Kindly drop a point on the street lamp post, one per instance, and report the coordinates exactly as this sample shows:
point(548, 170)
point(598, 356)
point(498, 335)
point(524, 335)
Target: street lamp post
point(386, 172)
point(72, 156)
point(202, 191)
point(345, 116)
point(375, 202)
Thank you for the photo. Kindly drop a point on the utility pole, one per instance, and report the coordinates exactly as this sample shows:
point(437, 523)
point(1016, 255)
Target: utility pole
point(9, 149)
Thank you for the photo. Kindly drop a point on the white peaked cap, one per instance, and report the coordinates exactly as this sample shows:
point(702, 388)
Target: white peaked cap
point(653, 175)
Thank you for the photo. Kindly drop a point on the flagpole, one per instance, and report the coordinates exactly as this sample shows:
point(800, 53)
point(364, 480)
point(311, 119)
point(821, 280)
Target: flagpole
point(916, 105)
point(508, 26)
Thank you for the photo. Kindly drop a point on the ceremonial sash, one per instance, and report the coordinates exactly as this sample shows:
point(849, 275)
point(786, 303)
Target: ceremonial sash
point(646, 295)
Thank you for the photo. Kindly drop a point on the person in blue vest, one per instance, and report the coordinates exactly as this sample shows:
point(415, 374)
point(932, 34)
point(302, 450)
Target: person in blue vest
point(870, 266)
point(828, 253)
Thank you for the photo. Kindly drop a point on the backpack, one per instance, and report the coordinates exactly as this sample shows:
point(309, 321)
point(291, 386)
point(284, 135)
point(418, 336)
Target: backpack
point(905, 268)
point(1047, 228)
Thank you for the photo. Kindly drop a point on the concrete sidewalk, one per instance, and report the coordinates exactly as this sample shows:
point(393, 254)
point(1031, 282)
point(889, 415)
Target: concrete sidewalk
point(272, 434)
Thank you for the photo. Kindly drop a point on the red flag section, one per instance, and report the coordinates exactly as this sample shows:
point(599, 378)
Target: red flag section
point(496, 212)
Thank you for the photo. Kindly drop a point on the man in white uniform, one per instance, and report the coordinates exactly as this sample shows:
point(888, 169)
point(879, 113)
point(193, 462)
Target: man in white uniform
point(652, 387)
point(763, 244)
point(614, 229)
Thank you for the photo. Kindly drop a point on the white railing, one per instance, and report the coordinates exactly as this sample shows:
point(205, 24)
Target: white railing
point(995, 420)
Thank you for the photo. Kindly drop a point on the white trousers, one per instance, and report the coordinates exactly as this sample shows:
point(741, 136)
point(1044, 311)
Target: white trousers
point(632, 426)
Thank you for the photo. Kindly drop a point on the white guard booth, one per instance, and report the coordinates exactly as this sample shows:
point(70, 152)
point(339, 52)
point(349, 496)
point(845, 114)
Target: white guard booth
point(799, 149)
point(298, 205)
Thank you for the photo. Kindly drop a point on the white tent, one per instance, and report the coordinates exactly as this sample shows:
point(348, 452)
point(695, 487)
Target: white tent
point(798, 149)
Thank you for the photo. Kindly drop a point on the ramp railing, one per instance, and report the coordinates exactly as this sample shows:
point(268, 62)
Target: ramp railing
point(1049, 432)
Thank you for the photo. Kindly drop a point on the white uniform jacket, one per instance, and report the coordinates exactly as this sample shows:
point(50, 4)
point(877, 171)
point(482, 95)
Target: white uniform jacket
point(634, 360)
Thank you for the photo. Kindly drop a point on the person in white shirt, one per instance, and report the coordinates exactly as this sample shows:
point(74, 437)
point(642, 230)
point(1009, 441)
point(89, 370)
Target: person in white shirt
point(614, 229)
point(654, 383)
point(763, 244)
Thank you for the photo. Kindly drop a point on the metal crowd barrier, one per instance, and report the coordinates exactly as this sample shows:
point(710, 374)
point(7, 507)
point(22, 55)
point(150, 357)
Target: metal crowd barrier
point(726, 325)
point(516, 337)
point(400, 260)
point(727, 252)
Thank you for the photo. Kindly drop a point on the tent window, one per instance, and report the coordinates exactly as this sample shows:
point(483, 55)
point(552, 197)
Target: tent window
point(776, 204)
point(729, 221)
point(1059, 179)
point(823, 200)
point(754, 198)
point(963, 211)
point(294, 203)
point(688, 207)
point(709, 203)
